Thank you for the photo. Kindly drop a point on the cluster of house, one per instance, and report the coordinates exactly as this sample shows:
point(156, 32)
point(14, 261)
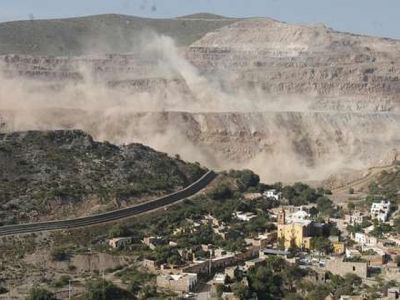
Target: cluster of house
point(295, 229)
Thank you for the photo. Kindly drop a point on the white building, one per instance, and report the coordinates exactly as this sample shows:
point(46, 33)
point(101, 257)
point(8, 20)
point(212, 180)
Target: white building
point(350, 253)
point(119, 242)
point(297, 217)
point(219, 278)
point(244, 216)
point(364, 239)
point(356, 217)
point(273, 194)
point(380, 210)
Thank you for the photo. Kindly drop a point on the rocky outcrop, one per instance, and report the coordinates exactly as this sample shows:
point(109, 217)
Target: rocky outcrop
point(59, 173)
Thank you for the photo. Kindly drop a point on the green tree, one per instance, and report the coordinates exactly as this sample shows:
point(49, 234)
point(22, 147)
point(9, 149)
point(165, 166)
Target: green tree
point(58, 254)
point(293, 296)
point(40, 294)
point(248, 179)
point(118, 230)
point(240, 290)
point(147, 292)
point(397, 260)
point(321, 244)
point(396, 225)
point(320, 292)
point(105, 290)
point(221, 192)
point(265, 283)
point(325, 206)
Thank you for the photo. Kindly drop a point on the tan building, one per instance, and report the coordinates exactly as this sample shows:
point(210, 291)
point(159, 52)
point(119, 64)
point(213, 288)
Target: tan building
point(356, 217)
point(262, 240)
point(150, 265)
point(375, 260)
point(338, 248)
point(340, 267)
point(184, 282)
point(152, 242)
point(295, 234)
point(253, 263)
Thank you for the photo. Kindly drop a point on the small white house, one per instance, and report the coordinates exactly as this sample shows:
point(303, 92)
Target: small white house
point(380, 210)
point(356, 217)
point(119, 242)
point(219, 278)
point(273, 194)
point(364, 239)
point(298, 217)
point(350, 253)
point(244, 216)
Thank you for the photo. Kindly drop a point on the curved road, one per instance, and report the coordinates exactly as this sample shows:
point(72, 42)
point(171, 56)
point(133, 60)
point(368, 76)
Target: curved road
point(112, 215)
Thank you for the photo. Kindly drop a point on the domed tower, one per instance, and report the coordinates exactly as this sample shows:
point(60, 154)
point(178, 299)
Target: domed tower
point(281, 217)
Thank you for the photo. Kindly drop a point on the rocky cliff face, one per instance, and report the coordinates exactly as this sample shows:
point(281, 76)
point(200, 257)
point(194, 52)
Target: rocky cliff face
point(340, 71)
point(290, 101)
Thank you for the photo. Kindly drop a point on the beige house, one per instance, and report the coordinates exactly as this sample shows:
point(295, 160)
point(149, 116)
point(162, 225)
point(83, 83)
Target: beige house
point(340, 267)
point(184, 282)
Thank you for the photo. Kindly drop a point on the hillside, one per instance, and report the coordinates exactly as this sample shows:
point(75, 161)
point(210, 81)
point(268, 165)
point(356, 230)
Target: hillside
point(67, 173)
point(99, 34)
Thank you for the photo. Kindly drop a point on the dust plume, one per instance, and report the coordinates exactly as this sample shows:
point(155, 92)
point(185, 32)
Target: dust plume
point(157, 97)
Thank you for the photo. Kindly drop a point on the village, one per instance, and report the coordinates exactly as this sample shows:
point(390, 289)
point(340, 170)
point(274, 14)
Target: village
point(349, 242)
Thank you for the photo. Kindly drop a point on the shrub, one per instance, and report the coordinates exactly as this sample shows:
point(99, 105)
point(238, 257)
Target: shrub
point(62, 281)
point(221, 192)
point(58, 254)
point(105, 290)
point(118, 230)
point(40, 294)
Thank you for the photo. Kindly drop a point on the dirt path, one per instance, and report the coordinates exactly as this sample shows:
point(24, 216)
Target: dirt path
point(361, 182)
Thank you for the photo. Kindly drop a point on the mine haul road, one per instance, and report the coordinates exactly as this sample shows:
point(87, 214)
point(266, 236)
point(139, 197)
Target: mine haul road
point(114, 215)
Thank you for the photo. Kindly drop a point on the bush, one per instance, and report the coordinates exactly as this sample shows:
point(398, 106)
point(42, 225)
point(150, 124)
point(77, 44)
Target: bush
point(221, 192)
point(105, 290)
point(59, 254)
point(62, 281)
point(118, 230)
point(40, 294)
point(245, 178)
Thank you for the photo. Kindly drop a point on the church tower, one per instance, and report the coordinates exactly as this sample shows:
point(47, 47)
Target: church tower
point(281, 217)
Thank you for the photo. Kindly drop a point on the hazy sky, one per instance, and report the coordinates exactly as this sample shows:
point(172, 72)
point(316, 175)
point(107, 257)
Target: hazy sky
point(374, 17)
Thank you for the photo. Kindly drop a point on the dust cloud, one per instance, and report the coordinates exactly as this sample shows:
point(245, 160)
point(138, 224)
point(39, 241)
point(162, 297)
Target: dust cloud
point(170, 113)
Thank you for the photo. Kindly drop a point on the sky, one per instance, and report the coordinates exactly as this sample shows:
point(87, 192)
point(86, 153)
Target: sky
point(372, 17)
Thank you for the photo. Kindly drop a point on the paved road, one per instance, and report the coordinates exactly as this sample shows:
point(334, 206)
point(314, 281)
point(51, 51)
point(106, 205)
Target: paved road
point(112, 215)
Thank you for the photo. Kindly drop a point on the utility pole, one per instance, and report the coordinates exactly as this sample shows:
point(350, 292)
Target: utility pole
point(104, 292)
point(69, 289)
point(209, 262)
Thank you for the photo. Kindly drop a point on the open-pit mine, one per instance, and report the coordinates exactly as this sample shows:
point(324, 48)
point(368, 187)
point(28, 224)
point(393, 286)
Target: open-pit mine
point(289, 101)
